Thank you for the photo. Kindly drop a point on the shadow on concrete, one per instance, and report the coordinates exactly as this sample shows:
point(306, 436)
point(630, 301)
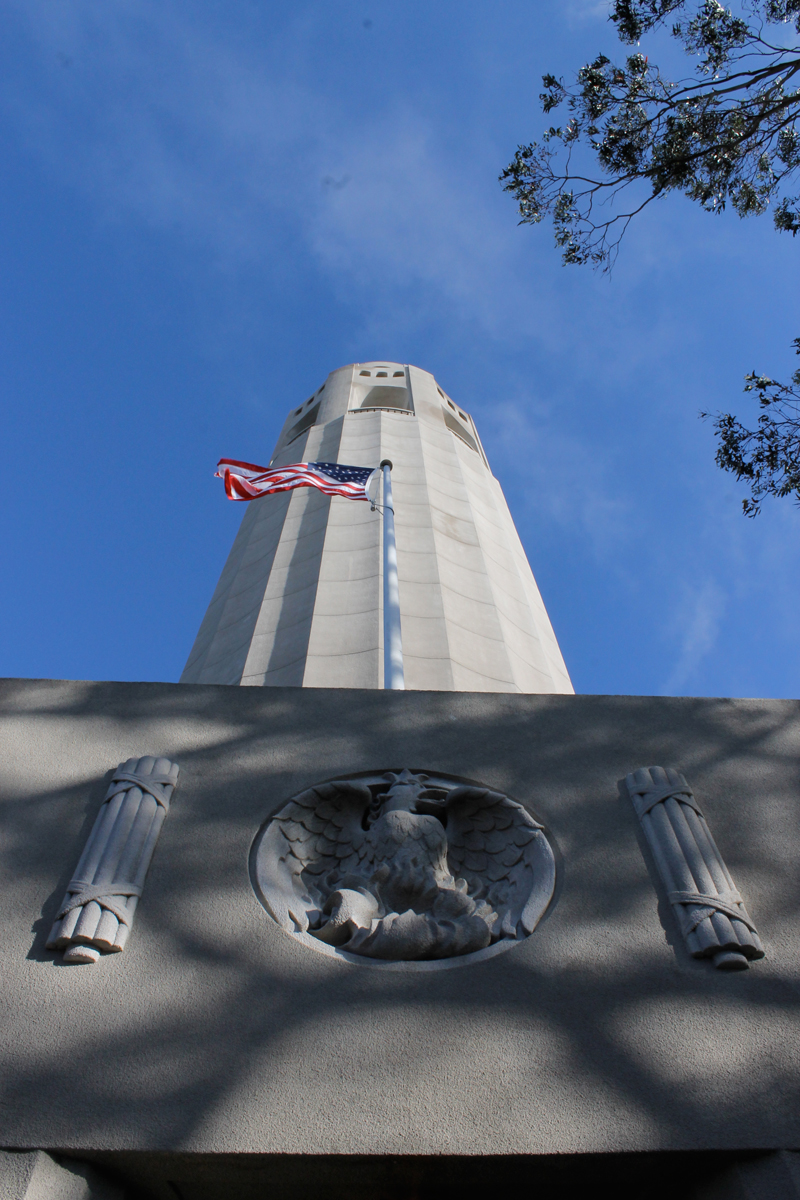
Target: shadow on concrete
point(417, 1177)
point(561, 755)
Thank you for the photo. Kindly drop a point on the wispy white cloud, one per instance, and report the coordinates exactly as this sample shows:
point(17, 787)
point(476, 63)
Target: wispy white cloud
point(560, 475)
point(412, 218)
point(587, 12)
point(159, 118)
point(694, 626)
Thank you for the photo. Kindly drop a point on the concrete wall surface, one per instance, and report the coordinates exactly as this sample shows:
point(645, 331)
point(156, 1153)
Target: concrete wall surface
point(35, 1175)
point(216, 1033)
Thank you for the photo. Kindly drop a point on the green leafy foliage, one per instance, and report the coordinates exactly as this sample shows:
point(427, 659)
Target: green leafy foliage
point(725, 136)
point(767, 458)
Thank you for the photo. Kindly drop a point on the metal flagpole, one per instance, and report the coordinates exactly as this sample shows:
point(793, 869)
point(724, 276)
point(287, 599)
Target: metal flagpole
point(392, 640)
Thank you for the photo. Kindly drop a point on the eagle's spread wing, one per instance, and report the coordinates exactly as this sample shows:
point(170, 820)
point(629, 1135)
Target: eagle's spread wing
point(317, 834)
point(502, 853)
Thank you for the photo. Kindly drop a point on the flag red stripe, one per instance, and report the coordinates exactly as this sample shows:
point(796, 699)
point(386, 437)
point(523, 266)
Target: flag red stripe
point(264, 481)
point(233, 462)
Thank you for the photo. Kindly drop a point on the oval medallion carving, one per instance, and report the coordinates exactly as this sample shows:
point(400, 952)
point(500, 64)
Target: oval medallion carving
point(404, 867)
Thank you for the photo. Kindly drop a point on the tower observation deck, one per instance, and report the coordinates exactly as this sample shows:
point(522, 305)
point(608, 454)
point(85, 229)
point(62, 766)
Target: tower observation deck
point(299, 601)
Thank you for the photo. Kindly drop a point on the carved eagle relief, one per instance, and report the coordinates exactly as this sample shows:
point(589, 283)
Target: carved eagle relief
point(405, 866)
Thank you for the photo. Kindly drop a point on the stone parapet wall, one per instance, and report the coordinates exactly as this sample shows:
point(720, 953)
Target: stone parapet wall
point(215, 1032)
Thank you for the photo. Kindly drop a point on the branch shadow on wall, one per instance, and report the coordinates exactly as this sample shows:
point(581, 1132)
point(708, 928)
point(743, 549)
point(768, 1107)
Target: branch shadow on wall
point(598, 1021)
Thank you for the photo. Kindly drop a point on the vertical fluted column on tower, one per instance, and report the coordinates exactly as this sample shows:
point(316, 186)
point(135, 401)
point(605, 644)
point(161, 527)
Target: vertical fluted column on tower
point(299, 601)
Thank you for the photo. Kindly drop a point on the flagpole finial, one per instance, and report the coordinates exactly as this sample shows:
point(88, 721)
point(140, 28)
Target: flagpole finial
point(387, 462)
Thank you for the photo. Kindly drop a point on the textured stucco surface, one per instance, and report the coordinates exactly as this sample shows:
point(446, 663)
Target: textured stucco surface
point(34, 1175)
point(299, 600)
point(216, 1032)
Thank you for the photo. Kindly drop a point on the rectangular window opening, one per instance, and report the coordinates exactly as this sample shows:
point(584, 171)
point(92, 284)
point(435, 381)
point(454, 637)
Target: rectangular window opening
point(459, 430)
point(303, 424)
point(388, 396)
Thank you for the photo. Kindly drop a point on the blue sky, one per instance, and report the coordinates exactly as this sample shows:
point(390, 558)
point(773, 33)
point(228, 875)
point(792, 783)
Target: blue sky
point(206, 207)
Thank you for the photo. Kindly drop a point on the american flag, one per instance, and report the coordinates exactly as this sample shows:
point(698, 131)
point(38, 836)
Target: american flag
point(246, 481)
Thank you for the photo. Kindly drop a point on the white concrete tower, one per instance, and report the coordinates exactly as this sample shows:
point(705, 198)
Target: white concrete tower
point(299, 602)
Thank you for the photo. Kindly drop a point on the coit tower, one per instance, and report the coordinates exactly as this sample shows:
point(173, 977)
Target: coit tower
point(299, 602)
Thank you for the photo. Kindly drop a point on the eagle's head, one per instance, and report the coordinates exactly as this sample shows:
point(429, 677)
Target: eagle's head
point(409, 793)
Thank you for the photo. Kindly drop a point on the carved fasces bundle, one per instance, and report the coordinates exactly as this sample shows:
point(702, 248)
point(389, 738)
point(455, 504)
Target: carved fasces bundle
point(97, 911)
point(710, 912)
